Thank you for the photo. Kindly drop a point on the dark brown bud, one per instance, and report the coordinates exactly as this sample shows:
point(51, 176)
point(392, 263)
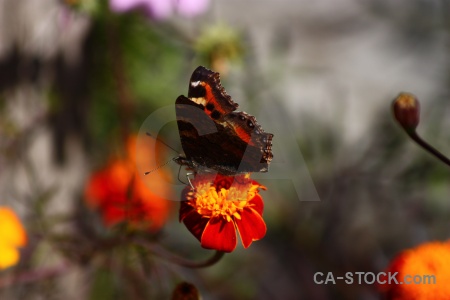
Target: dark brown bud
point(406, 109)
point(185, 291)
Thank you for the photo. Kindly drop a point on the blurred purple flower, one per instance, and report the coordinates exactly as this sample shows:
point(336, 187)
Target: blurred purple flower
point(191, 8)
point(161, 9)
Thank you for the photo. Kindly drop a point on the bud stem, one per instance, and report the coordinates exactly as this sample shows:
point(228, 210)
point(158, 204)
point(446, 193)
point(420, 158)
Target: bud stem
point(413, 134)
point(163, 253)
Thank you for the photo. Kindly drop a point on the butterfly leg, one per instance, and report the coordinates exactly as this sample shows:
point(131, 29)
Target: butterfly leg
point(189, 180)
point(187, 176)
point(179, 179)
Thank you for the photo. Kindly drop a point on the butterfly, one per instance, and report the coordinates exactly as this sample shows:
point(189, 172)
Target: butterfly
point(216, 137)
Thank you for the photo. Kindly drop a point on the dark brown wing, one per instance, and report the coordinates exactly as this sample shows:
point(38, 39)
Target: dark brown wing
point(256, 154)
point(230, 145)
point(216, 137)
point(205, 90)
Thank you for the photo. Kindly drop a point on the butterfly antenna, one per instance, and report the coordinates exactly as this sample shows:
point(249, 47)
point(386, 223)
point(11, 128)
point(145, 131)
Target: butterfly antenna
point(162, 142)
point(158, 167)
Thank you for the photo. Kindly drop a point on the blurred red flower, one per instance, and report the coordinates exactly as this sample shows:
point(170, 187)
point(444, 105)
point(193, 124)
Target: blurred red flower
point(12, 237)
point(120, 193)
point(430, 259)
point(221, 205)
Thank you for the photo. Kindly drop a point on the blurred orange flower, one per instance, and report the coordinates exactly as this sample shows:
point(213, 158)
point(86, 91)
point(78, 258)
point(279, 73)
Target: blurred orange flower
point(430, 259)
point(12, 237)
point(121, 194)
point(221, 205)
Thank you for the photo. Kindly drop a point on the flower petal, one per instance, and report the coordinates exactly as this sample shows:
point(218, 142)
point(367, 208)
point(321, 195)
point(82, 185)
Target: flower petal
point(251, 226)
point(195, 223)
point(257, 204)
point(9, 256)
point(191, 8)
point(12, 236)
point(157, 9)
point(185, 209)
point(219, 235)
point(112, 215)
point(124, 5)
point(12, 232)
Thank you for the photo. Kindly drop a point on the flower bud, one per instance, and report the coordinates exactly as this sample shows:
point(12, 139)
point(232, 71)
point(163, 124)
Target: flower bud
point(185, 291)
point(406, 109)
point(218, 46)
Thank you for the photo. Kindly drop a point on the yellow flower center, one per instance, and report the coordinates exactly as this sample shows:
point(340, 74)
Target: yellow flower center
point(226, 203)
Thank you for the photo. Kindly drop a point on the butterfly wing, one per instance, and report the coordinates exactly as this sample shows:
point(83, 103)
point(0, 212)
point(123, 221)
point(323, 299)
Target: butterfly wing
point(216, 137)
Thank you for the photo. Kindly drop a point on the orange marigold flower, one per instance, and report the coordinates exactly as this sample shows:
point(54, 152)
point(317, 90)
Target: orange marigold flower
point(427, 259)
point(218, 206)
point(12, 237)
point(122, 195)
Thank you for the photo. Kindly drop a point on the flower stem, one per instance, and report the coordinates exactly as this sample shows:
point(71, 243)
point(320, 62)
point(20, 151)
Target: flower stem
point(123, 89)
point(31, 276)
point(163, 253)
point(413, 134)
